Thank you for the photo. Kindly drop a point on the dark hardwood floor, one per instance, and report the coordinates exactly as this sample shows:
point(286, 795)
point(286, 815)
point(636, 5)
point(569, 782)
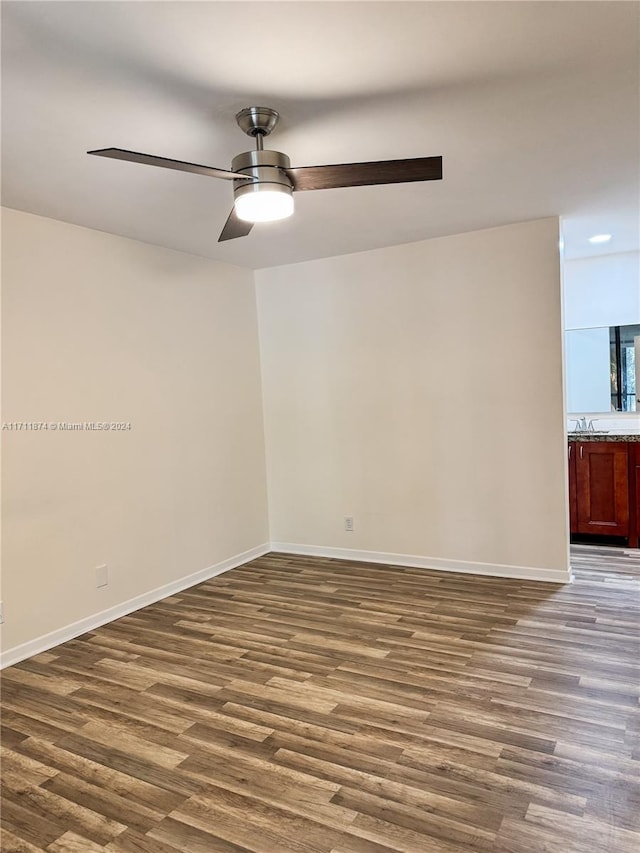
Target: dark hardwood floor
point(302, 704)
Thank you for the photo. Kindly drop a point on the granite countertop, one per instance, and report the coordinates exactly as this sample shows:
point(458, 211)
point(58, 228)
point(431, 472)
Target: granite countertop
point(603, 436)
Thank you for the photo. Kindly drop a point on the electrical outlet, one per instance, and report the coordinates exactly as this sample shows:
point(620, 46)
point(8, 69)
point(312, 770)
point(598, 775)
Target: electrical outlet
point(102, 576)
point(1, 613)
point(348, 523)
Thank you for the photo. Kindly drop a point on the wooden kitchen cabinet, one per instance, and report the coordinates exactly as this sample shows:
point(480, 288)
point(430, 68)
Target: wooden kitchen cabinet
point(604, 489)
point(634, 469)
point(573, 489)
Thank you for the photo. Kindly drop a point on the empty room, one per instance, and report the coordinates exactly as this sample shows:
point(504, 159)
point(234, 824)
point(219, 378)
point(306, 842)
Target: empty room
point(320, 427)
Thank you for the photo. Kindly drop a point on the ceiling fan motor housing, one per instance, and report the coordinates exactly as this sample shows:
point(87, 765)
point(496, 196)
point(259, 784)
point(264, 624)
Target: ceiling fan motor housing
point(268, 169)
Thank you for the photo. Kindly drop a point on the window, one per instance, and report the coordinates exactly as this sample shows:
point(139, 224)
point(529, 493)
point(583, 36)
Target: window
point(624, 344)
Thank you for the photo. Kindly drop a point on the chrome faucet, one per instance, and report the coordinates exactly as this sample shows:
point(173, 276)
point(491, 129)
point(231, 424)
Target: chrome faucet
point(582, 425)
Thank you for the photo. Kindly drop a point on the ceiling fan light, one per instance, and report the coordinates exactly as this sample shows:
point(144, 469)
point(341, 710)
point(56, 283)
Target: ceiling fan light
point(265, 205)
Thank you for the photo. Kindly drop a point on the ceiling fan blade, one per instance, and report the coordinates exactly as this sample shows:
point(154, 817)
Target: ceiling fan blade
point(234, 227)
point(366, 174)
point(167, 163)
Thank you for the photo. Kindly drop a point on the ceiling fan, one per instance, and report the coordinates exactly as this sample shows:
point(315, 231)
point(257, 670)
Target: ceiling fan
point(264, 181)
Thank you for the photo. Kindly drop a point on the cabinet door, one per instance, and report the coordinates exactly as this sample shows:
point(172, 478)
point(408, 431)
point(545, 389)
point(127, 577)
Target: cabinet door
point(634, 473)
point(573, 489)
point(602, 479)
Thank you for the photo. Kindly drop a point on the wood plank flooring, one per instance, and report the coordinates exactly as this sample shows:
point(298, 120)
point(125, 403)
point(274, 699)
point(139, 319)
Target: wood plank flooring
point(306, 705)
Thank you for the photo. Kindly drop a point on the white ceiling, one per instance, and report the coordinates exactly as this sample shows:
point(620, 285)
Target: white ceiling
point(534, 107)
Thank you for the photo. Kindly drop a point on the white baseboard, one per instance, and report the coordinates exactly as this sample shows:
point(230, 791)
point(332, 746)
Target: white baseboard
point(495, 570)
point(76, 629)
point(69, 632)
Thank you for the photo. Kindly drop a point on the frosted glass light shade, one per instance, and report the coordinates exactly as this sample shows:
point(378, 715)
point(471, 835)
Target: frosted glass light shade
point(264, 205)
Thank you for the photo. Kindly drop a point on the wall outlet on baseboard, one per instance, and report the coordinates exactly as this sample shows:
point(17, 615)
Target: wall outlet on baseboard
point(102, 576)
point(348, 523)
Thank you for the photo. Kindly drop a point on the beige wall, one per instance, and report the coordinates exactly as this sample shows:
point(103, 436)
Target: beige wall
point(416, 388)
point(419, 389)
point(602, 291)
point(100, 328)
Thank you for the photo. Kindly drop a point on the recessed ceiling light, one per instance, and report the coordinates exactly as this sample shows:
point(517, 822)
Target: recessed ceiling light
point(600, 238)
